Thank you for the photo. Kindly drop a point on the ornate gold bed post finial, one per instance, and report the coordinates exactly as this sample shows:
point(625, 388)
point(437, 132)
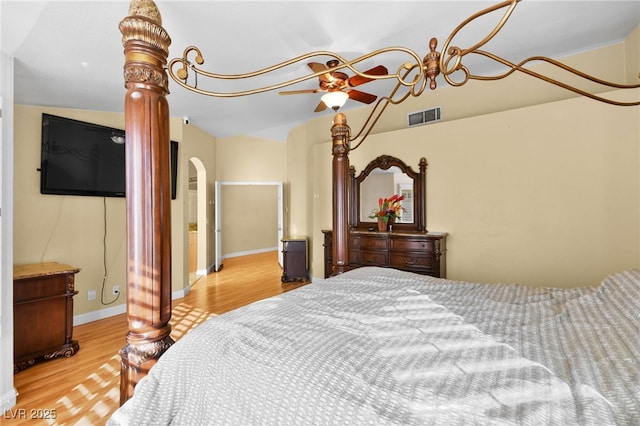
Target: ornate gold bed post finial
point(340, 134)
point(146, 111)
point(431, 63)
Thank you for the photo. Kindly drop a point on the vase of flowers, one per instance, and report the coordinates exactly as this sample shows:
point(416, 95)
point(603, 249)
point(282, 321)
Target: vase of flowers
point(389, 209)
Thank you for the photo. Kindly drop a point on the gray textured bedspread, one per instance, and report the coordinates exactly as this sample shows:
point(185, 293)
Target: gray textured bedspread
point(586, 336)
point(377, 346)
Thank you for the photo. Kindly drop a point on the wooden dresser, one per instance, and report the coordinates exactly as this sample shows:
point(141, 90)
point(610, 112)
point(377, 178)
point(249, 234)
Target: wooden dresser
point(42, 313)
point(419, 252)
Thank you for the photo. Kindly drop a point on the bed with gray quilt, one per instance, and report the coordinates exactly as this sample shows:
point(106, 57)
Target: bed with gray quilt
point(378, 346)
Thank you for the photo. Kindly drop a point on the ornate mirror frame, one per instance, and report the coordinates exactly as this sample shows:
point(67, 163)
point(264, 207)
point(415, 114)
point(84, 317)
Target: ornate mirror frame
point(385, 162)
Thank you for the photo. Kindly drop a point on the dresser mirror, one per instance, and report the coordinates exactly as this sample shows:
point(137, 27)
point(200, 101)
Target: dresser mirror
point(383, 177)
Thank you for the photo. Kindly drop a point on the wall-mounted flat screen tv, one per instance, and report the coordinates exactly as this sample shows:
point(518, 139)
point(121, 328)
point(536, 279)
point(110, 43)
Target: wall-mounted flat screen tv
point(80, 158)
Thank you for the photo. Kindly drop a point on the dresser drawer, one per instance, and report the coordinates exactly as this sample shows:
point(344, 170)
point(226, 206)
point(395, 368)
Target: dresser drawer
point(354, 242)
point(409, 244)
point(354, 256)
point(372, 257)
point(374, 242)
point(412, 261)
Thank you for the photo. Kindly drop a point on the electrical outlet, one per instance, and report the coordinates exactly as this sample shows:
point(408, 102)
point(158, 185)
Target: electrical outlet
point(91, 295)
point(116, 289)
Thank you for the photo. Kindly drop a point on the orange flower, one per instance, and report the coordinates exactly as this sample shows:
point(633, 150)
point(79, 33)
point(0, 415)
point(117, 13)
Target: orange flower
point(388, 208)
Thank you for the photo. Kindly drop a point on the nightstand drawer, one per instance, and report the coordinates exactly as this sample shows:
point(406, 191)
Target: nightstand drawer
point(294, 246)
point(29, 290)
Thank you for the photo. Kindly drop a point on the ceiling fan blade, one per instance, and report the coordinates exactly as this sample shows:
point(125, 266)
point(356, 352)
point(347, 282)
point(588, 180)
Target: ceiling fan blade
point(357, 80)
point(363, 97)
point(318, 67)
point(321, 107)
point(299, 92)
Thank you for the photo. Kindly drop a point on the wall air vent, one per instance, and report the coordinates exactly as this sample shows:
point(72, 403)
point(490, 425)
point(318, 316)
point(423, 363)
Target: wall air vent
point(426, 116)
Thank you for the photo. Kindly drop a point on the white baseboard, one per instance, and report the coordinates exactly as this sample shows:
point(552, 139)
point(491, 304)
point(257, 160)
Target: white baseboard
point(182, 293)
point(212, 268)
point(122, 308)
point(118, 309)
point(245, 253)
point(100, 314)
point(7, 401)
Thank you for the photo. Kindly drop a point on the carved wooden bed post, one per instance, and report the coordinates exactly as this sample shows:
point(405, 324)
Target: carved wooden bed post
point(340, 133)
point(146, 47)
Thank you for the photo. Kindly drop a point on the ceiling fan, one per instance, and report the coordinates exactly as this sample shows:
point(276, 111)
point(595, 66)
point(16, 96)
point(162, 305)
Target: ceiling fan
point(338, 85)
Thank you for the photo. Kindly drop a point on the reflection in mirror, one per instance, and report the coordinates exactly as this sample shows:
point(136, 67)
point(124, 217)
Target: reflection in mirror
point(383, 184)
point(406, 190)
point(383, 177)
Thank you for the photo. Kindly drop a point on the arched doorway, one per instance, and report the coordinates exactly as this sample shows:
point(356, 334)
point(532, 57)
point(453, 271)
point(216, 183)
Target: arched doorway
point(197, 218)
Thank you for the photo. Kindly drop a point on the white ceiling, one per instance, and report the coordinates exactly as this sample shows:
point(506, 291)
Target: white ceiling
point(69, 53)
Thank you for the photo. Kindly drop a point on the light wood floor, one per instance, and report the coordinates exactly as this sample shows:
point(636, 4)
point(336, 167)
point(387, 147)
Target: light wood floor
point(84, 389)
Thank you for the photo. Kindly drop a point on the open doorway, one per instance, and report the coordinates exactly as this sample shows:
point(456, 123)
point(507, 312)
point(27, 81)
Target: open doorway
point(197, 211)
point(252, 213)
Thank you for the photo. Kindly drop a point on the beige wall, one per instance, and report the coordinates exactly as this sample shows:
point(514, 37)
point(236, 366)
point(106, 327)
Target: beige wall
point(250, 218)
point(70, 229)
point(476, 98)
point(299, 217)
point(249, 159)
point(473, 99)
point(544, 195)
point(632, 57)
point(66, 229)
point(249, 213)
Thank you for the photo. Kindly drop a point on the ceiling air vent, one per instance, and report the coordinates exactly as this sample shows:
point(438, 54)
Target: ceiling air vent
point(419, 118)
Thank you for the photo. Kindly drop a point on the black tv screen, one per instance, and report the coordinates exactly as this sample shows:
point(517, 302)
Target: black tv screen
point(80, 158)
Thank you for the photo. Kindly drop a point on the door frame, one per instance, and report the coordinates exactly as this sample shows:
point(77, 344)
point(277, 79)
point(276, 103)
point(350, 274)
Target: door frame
point(219, 219)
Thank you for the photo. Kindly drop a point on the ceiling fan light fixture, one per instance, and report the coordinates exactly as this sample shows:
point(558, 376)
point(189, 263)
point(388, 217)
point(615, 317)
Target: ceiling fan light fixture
point(335, 99)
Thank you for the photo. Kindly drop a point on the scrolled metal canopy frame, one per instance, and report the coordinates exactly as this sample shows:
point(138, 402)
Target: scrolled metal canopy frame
point(413, 75)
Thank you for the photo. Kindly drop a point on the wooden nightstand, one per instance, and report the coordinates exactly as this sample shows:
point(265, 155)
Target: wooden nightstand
point(294, 259)
point(42, 313)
